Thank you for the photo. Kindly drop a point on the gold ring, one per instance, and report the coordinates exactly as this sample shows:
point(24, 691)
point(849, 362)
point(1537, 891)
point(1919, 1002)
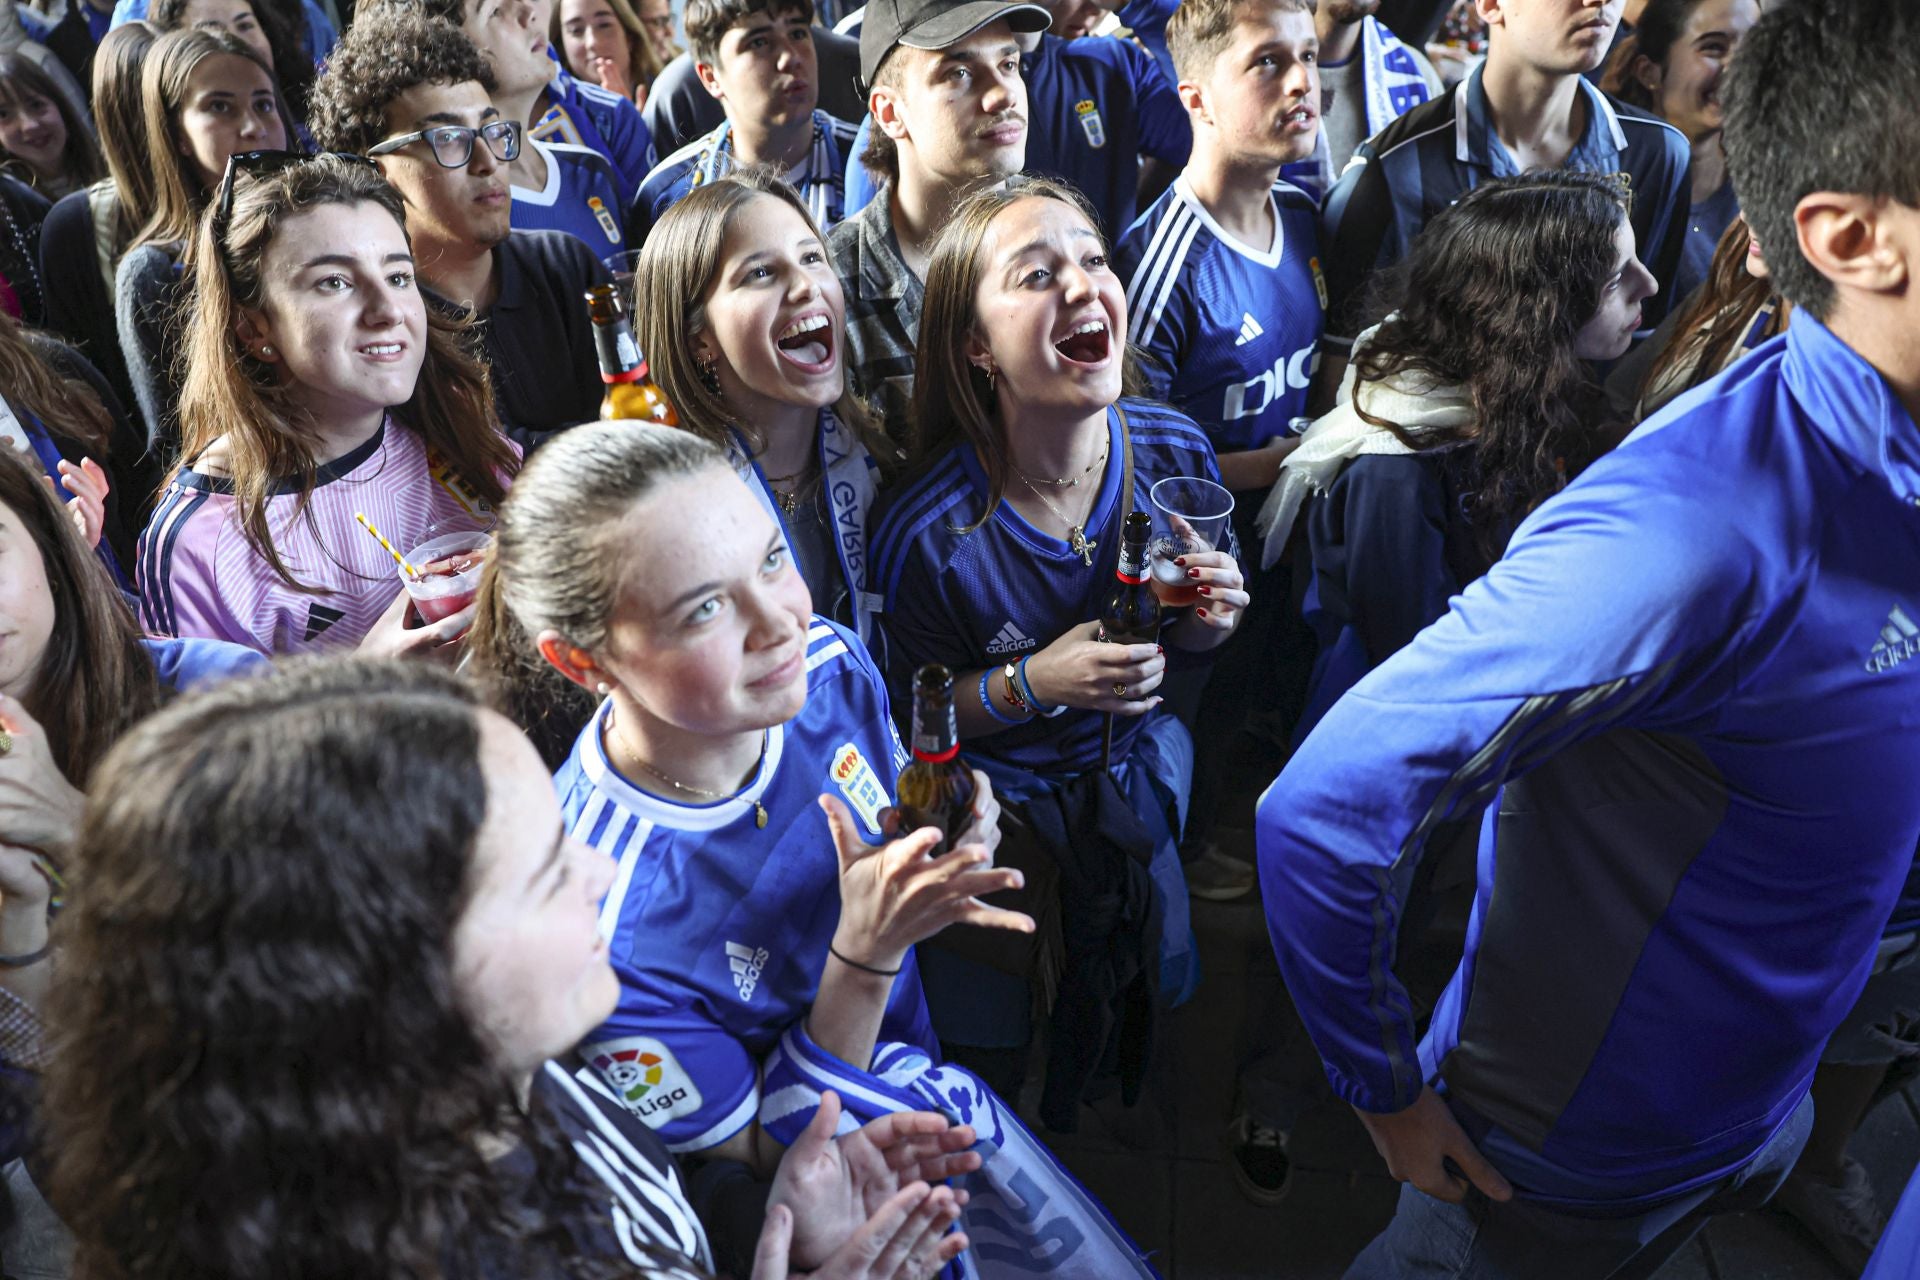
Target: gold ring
point(1119, 689)
point(6, 742)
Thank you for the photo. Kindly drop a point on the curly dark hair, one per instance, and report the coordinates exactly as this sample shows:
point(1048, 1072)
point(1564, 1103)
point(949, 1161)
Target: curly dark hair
point(1491, 296)
point(388, 50)
point(262, 1066)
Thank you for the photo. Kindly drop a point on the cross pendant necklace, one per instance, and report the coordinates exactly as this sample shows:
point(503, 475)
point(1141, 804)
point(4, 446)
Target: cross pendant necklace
point(1083, 546)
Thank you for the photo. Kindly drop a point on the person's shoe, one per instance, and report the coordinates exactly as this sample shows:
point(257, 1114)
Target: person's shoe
point(1218, 877)
point(1843, 1217)
point(1260, 1165)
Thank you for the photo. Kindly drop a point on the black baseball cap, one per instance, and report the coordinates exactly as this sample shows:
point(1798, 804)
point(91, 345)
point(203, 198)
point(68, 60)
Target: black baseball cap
point(935, 24)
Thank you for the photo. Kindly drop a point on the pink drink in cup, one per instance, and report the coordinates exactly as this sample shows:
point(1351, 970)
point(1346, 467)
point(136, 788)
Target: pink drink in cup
point(449, 574)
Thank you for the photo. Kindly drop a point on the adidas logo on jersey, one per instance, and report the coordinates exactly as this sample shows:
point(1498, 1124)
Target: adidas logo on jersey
point(319, 618)
point(1011, 639)
point(746, 964)
point(1249, 329)
point(1899, 640)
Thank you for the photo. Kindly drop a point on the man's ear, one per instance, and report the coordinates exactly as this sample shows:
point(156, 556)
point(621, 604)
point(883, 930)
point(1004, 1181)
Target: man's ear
point(1194, 99)
point(884, 106)
point(709, 79)
point(1850, 240)
point(571, 661)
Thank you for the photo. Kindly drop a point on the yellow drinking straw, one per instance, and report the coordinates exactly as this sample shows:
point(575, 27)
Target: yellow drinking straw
point(398, 559)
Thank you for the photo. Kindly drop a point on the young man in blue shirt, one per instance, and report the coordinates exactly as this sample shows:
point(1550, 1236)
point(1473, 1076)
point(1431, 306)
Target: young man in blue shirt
point(1525, 107)
point(756, 57)
point(1687, 693)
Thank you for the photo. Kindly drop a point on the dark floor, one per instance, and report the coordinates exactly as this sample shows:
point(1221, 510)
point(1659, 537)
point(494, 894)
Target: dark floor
point(1162, 1168)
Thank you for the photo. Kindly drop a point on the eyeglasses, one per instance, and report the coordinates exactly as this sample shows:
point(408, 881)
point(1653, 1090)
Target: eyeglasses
point(260, 163)
point(453, 143)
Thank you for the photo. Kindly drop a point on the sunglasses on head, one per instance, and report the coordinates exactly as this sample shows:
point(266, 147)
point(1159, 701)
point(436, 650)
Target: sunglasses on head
point(258, 164)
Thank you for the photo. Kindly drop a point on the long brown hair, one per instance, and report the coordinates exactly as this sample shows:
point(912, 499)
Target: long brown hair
point(265, 1063)
point(65, 406)
point(676, 268)
point(169, 66)
point(1661, 25)
point(1492, 295)
point(121, 113)
point(953, 403)
point(1713, 323)
point(95, 678)
point(21, 77)
point(556, 564)
point(229, 393)
point(643, 67)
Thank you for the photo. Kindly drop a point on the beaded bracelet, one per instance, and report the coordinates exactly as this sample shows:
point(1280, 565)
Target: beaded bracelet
point(1026, 688)
point(986, 700)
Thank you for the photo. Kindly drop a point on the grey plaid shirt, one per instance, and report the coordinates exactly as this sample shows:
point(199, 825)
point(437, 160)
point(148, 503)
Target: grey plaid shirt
point(883, 310)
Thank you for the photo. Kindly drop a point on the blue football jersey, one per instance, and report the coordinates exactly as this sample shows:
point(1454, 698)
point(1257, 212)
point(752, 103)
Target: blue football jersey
point(720, 927)
point(972, 600)
point(1234, 334)
point(581, 198)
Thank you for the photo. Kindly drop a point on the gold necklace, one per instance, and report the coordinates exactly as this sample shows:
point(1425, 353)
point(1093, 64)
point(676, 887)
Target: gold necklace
point(1076, 533)
point(759, 810)
point(1069, 482)
point(789, 499)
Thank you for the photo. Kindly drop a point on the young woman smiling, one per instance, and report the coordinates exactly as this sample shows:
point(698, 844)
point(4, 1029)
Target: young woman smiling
point(318, 389)
point(52, 144)
point(999, 556)
point(737, 308)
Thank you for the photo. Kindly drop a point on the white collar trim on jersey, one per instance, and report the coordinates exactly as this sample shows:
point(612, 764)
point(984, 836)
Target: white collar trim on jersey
point(548, 194)
point(1270, 259)
point(665, 813)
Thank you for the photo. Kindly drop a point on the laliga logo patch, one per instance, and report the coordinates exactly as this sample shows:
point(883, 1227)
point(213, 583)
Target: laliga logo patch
point(604, 218)
point(456, 488)
point(642, 1071)
point(1319, 282)
point(859, 784)
point(1091, 122)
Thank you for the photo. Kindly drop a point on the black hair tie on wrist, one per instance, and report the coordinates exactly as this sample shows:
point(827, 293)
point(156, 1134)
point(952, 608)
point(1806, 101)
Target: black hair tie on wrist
point(35, 957)
point(864, 968)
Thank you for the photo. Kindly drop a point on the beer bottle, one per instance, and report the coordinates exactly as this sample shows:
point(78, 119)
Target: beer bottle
point(936, 789)
point(1132, 615)
point(630, 392)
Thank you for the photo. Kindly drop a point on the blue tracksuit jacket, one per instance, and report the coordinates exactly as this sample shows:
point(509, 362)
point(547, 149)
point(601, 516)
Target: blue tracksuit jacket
point(1694, 684)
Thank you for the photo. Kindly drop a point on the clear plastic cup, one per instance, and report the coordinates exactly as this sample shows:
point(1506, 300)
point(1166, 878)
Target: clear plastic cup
point(449, 573)
point(1189, 516)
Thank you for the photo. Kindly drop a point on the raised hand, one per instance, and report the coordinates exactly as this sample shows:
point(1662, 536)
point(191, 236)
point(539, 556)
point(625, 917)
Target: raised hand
point(834, 1185)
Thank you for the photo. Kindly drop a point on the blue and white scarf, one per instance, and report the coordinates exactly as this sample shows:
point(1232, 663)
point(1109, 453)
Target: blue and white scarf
point(1394, 86)
point(821, 184)
point(1025, 1216)
point(851, 479)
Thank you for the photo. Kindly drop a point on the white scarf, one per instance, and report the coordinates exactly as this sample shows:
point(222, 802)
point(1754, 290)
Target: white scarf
point(1411, 401)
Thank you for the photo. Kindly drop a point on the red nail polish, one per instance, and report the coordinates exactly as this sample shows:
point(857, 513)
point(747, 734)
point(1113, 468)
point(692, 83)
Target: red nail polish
point(1206, 591)
point(1193, 573)
point(1201, 612)
point(1181, 561)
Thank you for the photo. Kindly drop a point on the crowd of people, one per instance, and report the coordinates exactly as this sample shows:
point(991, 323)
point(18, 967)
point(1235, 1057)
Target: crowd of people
point(448, 823)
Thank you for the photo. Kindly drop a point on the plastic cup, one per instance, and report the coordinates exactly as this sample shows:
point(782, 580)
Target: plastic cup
point(449, 573)
point(1189, 516)
point(621, 267)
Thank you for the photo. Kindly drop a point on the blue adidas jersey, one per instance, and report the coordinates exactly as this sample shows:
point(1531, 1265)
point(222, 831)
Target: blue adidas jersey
point(1691, 689)
point(979, 599)
point(820, 180)
point(1094, 106)
point(1234, 335)
point(720, 928)
point(581, 198)
point(1435, 153)
point(585, 115)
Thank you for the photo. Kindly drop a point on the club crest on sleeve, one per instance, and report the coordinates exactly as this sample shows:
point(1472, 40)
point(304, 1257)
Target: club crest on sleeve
point(643, 1073)
point(859, 784)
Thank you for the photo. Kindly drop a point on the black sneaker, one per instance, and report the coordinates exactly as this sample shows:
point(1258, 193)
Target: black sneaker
point(1843, 1217)
point(1260, 1164)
